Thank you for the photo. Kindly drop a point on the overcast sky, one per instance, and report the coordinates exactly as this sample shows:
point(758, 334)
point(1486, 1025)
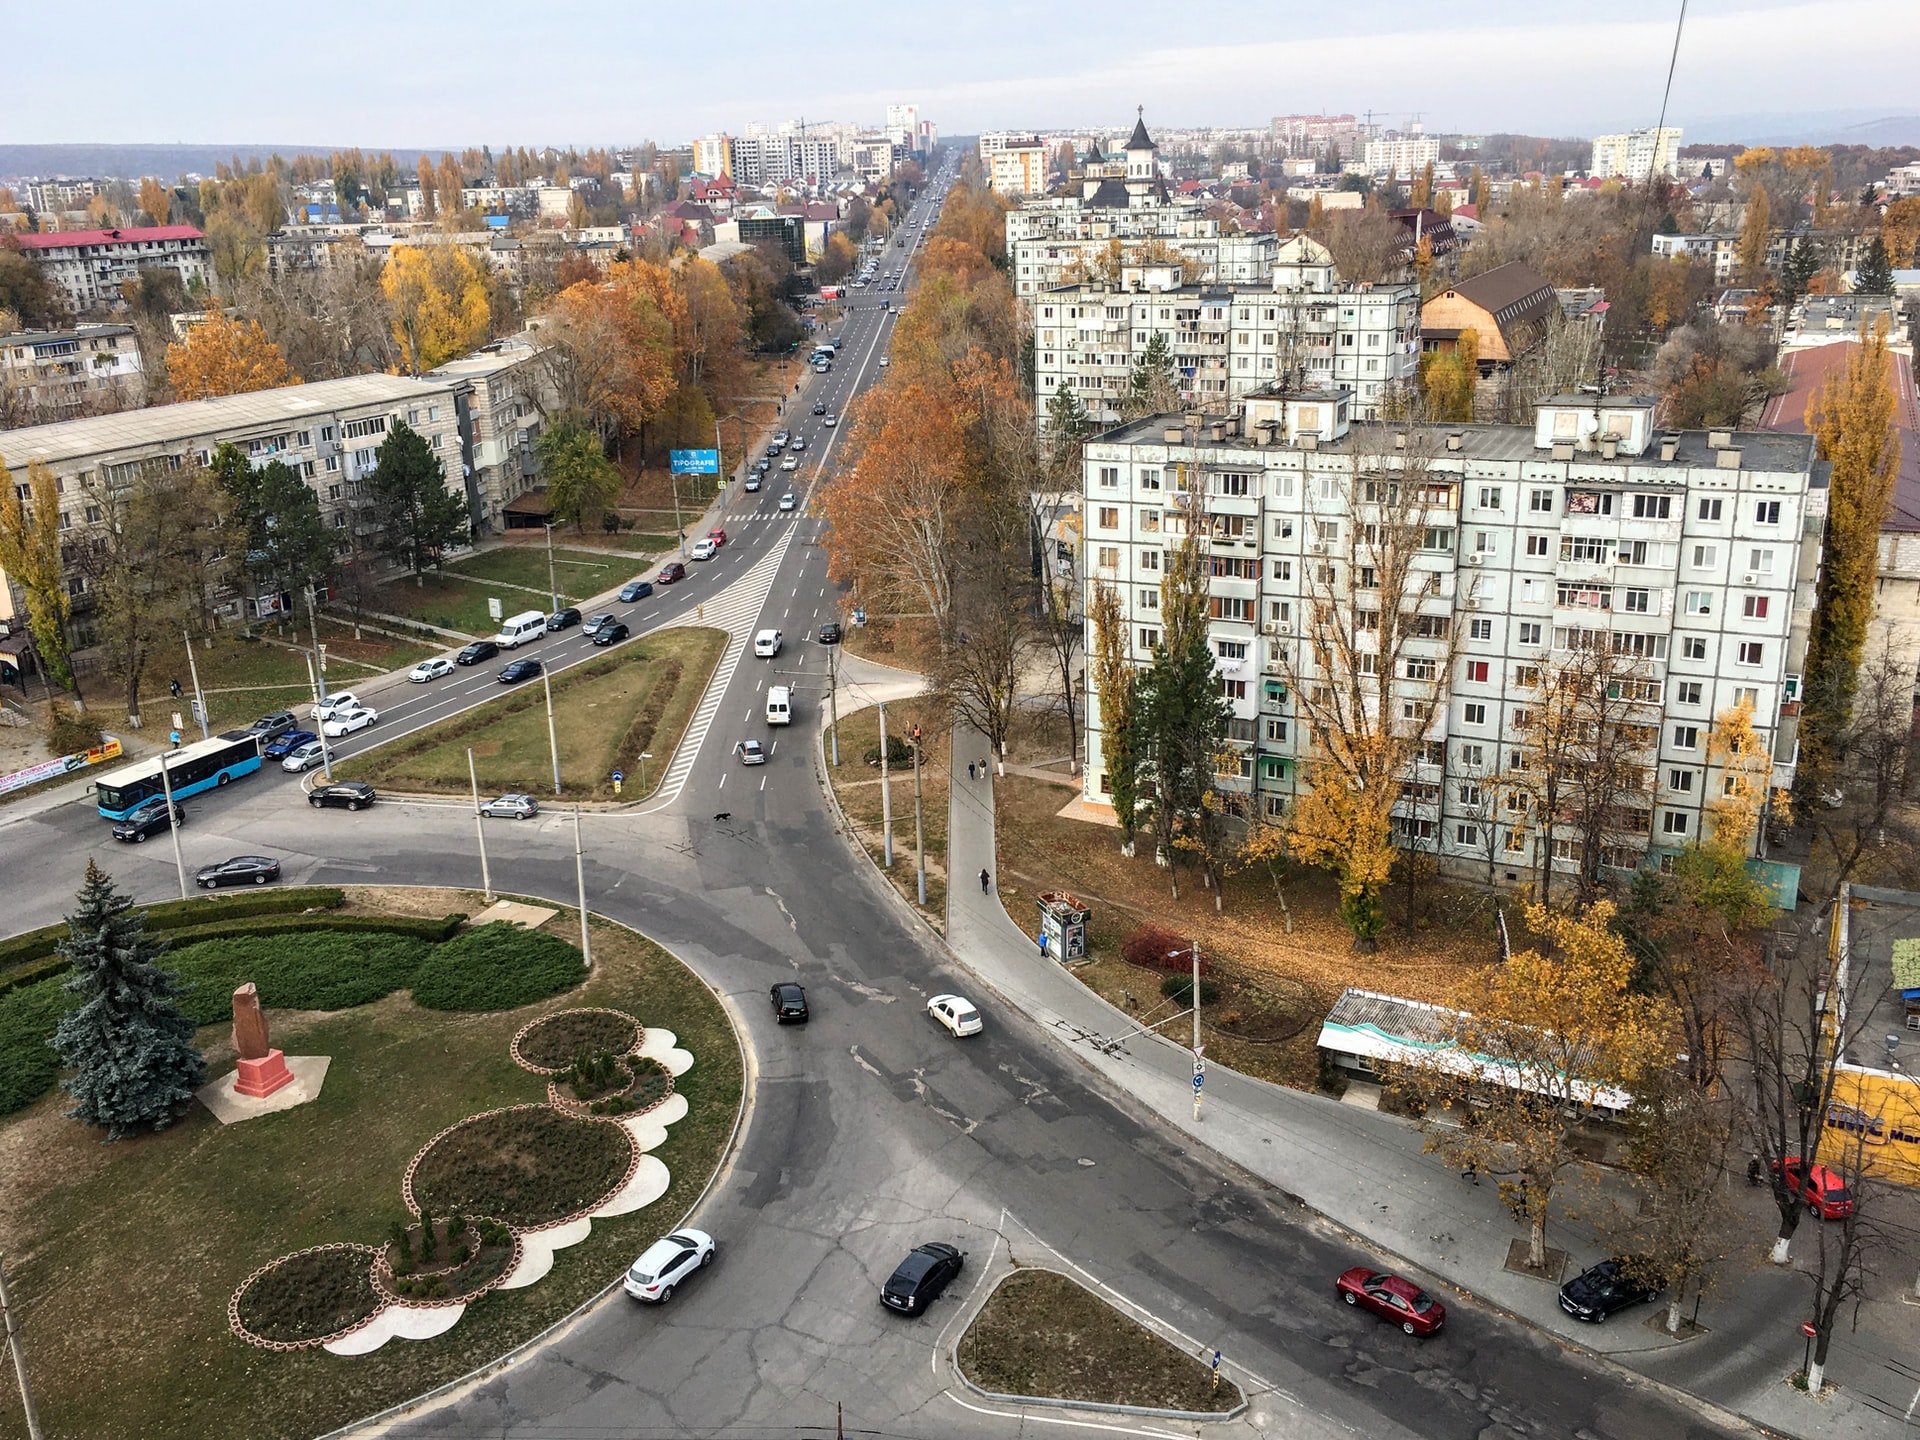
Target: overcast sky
point(429, 73)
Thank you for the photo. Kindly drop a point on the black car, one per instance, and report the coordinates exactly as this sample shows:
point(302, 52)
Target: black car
point(561, 619)
point(819, 407)
point(514, 671)
point(927, 1270)
point(346, 794)
point(611, 633)
point(789, 1003)
point(282, 746)
point(267, 727)
point(149, 817)
point(240, 870)
point(476, 652)
point(1599, 1290)
point(830, 633)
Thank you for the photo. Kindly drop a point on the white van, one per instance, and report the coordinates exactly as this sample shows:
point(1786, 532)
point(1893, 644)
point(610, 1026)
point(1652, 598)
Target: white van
point(516, 630)
point(779, 705)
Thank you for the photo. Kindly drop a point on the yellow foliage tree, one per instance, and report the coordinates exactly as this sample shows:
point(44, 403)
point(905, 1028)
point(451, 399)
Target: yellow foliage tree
point(1756, 232)
point(439, 299)
point(1450, 377)
point(1900, 231)
point(156, 200)
point(1740, 752)
point(224, 356)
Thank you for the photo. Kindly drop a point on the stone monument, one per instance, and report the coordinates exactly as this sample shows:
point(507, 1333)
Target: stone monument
point(263, 1069)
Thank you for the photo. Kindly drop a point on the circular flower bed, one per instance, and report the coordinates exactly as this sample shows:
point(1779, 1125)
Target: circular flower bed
point(306, 1298)
point(1262, 1011)
point(529, 1166)
point(549, 1044)
point(445, 1261)
point(611, 1086)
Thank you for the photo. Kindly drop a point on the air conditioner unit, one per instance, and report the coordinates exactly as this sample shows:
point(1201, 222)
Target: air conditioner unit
point(1473, 602)
point(1475, 557)
point(1318, 547)
point(1748, 578)
point(1285, 627)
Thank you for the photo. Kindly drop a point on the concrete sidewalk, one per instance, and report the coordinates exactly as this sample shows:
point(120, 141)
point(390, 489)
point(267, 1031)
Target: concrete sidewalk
point(1368, 1173)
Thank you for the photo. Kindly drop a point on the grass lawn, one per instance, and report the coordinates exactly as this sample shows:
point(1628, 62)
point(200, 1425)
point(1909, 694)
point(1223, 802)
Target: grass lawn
point(453, 602)
point(121, 1258)
point(1042, 1334)
point(243, 678)
point(578, 573)
point(858, 786)
point(637, 697)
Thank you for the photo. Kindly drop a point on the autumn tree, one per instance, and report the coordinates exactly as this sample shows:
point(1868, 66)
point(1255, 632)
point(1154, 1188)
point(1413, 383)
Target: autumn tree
point(1756, 234)
point(156, 200)
point(1679, 1148)
point(1114, 678)
point(1714, 374)
point(1368, 246)
point(1568, 358)
point(581, 482)
point(1900, 230)
point(988, 634)
point(1422, 193)
point(30, 558)
point(1449, 378)
point(419, 519)
point(440, 301)
point(1852, 421)
point(26, 291)
point(329, 321)
point(223, 356)
point(609, 356)
point(1862, 825)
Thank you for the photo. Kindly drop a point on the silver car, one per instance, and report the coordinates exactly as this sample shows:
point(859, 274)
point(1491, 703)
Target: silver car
point(511, 807)
point(303, 757)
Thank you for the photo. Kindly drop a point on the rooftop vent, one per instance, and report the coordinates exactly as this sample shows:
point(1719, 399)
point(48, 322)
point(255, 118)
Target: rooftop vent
point(1308, 440)
point(1610, 448)
point(1563, 451)
point(1719, 439)
point(1669, 446)
point(1727, 459)
point(1173, 434)
point(1456, 439)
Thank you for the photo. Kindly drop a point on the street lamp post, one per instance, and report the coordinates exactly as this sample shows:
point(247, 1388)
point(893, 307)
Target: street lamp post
point(479, 827)
point(886, 792)
point(580, 883)
point(553, 742)
point(173, 823)
point(319, 689)
point(919, 834)
point(645, 755)
point(833, 704)
point(199, 699)
point(553, 588)
point(1199, 1060)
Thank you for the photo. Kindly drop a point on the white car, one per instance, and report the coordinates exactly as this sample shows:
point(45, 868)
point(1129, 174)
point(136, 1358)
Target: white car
point(885, 361)
point(766, 644)
point(753, 484)
point(345, 722)
point(789, 501)
point(668, 1262)
point(751, 752)
point(831, 420)
point(430, 670)
point(957, 1013)
point(790, 463)
point(704, 549)
point(303, 757)
point(334, 704)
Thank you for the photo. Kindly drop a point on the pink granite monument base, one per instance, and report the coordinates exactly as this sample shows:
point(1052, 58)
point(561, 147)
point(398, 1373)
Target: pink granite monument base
point(259, 1078)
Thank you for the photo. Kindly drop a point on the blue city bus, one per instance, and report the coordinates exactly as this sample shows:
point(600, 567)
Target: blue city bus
point(190, 769)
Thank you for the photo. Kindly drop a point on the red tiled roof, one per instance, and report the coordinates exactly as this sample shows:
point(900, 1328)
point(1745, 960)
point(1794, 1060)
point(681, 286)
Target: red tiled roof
point(59, 239)
point(1808, 370)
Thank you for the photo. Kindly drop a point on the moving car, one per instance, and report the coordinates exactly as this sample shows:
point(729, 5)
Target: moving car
point(959, 1014)
point(595, 624)
point(789, 1003)
point(790, 464)
point(672, 573)
point(819, 407)
point(667, 1262)
point(751, 752)
point(240, 870)
point(789, 501)
point(830, 633)
point(334, 704)
point(148, 818)
point(430, 670)
point(282, 746)
point(342, 795)
point(1599, 1290)
point(345, 722)
point(515, 671)
point(885, 361)
point(919, 1279)
point(780, 437)
point(510, 807)
point(476, 652)
point(767, 644)
point(303, 757)
point(753, 483)
point(611, 633)
point(268, 727)
point(1391, 1298)
point(704, 549)
point(561, 619)
point(635, 590)
point(799, 444)
point(518, 630)
point(1825, 1193)
point(831, 420)
point(762, 465)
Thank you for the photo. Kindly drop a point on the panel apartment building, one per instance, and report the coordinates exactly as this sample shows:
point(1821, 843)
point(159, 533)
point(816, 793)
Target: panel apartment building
point(92, 265)
point(1304, 326)
point(1692, 555)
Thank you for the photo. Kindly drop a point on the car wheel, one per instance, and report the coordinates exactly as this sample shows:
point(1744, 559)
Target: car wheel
point(1349, 1297)
point(224, 778)
point(1407, 1325)
point(141, 838)
point(206, 884)
point(353, 804)
point(314, 800)
point(706, 1259)
point(666, 1294)
point(1600, 1318)
point(259, 879)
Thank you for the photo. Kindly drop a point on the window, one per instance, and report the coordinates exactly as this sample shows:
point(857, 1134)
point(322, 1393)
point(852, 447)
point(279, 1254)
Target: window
point(1754, 607)
point(1109, 557)
point(1529, 632)
point(1586, 549)
point(1231, 650)
point(1421, 710)
point(1366, 619)
point(1653, 507)
point(1693, 647)
point(1467, 835)
point(1227, 607)
point(1276, 730)
point(1490, 497)
point(1483, 542)
point(1589, 502)
point(1149, 479)
point(1149, 522)
point(1109, 476)
point(1471, 793)
point(1527, 677)
point(1149, 600)
point(1687, 692)
point(1540, 502)
point(1633, 552)
point(1705, 557)
point(1148, 638)
point(1432, 752)
point(1766, 512)
point(1474, 714)
point(1680, 781)
point(1475, 755)
point(1537, 544)
point(1480, 629)
point(1583, 597)
point(1673, 822)
point(1477, 671)
point(1438, 538)
point(1432, 627)
point(1232, 484)
point(1109, 517)
point(1760, 561)
point(1636, 600)
point(1710, 509)
point(1686, 737)
point(1699, 602)
point(1326, 531)
point(1149, 559)
point(333, 464)
point(1419, 668)
point(1282, 528)
point(326, 432)
point(1752, 652)
point(1283, 569)
point(93, 514)
point(1516, 842)
point(1746, 694)
point(1411, 829)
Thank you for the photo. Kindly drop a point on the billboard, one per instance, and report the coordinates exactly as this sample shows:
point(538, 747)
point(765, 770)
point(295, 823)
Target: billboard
point(695, 462)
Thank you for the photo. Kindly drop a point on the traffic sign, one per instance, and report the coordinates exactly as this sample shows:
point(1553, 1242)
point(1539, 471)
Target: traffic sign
point(1199, 1081)
point(1808, 1329)
point(618, 776)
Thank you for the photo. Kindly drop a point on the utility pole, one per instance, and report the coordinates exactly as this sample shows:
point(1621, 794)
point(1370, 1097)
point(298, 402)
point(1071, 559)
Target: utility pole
point(680, 529)
point(833, 703)
point(886, 792)
point(319, 689)
point(580, 882)
point(553, 743)
point(479, 827)
point(19, 1355)
point(1199, 1050)
point(919, 834)
point(173, 823)
point(553, 588)
point(199, 700)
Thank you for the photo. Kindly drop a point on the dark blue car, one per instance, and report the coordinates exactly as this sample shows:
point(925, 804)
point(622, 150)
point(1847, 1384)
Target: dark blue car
point(281, 745)
point(636, 590)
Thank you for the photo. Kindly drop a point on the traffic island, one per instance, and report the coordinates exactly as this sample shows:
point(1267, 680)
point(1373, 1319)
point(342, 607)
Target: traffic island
point(1045, 1339)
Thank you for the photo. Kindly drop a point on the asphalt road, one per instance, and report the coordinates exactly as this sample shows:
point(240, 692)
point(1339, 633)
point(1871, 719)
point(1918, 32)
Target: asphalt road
point(870, 1130)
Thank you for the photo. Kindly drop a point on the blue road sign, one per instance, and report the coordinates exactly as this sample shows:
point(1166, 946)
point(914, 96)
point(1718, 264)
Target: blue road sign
point(619, 775)
point(1199, 1082)
point(695, 462)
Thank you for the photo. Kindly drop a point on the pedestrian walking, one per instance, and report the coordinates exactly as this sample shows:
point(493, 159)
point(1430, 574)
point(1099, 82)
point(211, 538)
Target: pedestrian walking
point(970, 774)
point(173, 688)
point(984, 879)
point(1470, 1173)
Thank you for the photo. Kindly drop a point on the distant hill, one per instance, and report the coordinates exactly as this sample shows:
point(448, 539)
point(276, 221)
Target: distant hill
point(166, 161)
point(1876, 132)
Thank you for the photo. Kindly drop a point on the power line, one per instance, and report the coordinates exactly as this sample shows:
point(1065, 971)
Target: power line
point(1667, 94)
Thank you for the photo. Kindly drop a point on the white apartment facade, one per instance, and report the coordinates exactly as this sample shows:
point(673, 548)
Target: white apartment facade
point(1019, 170)
point(1401, 155)
point(92, 265)
point(501, 398)
point(1303, 326)
point(46, 373)
point(1637, 155)
point(1693, 555)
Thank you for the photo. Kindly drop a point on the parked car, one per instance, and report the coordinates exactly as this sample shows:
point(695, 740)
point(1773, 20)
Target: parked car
point(342, 795)
point(511, 807)
point(303, 757)
point(595, 623)
point(1825, 1194)
point(762, 465)
point(959, 1014)
point(767, 644)
point(1599, 1290)
point(918, 1280)
point(1392, 1298)
point(562, 619)
point(430, 670)
point(751, 752)
point(668, 1262)
point(635, 590)
point(345, 722)
point(267, 727)
point(718, 537)
point(704, 549)
point(789, 501)
point(282, 746)
point(476, 652)
point(672, 573)
point(611, 633)
point(514, 671)
point(789, 1003)
point(148, 818)
point(333, 704)
point(884, 362)
point(830, 633)
point(780, 437)
point(240, 870)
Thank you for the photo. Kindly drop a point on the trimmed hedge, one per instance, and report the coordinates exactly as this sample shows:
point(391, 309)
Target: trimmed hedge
point(308, 971)
point(28, 1064)
point(497, 967)
point(434, 932)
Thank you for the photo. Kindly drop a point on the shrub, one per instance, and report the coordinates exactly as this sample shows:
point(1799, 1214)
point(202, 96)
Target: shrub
point(309, 970)
point(310, 1296)
point(1153, 946)
point(552, 1043)
point(28, 1064)
point(497, 967)
point(70, 731)
point(1180, 988)
point(529, 1166)
point(199, 911)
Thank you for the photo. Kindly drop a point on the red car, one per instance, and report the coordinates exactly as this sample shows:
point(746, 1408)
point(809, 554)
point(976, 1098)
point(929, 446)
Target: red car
point(718, 537)
point(1825, 1193)
point(670, 572)
point(1392, 1298)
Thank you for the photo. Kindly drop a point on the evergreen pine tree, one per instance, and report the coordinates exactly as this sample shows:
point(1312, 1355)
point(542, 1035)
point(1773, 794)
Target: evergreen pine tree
point(1152, 388)
point(1803, 262)
point(1875, 275)
point(419, 517)
point(132, 1052)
